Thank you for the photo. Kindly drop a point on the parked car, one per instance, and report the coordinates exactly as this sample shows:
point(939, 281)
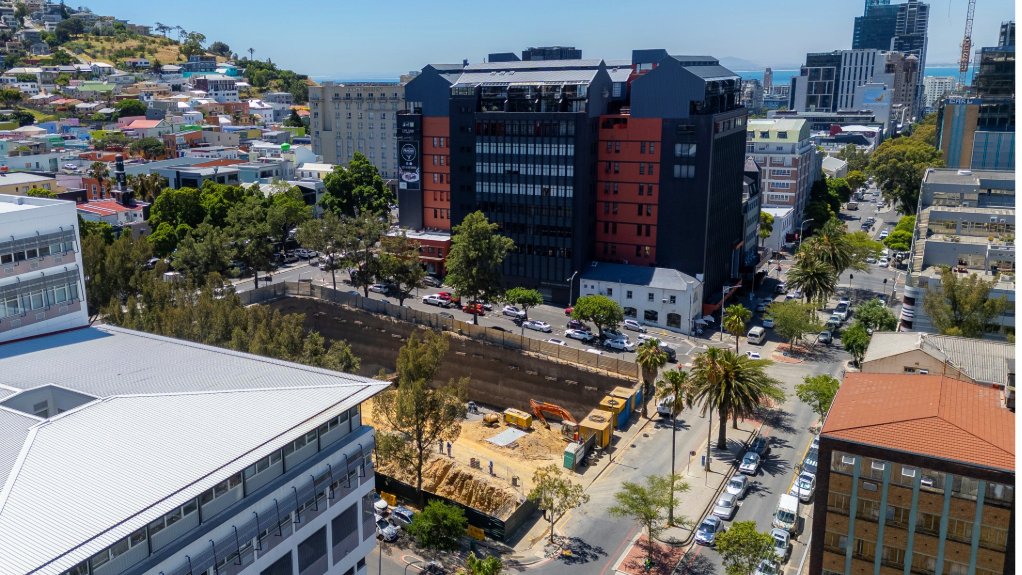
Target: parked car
point(537, 325)
point(512, 311)
point(568, 310)
point(833, 324)
point(378, 288)
point(782, 543)
point(613, 334)
point(781, 288)
point(619, 344)
point(726, 506)
point(826, 337)
point(760, 446)
point(794, 294)
point(884, 234)
point(871, 260)
point(738, 486)
point(750, 464)
point(706, 533)
point(385, 530)
point(809, 464)
point(883, 262)
point(633, 325)
point(401, 516)
point(768, 321)
point(836, 317)
point(556, 341)
point(431, 281)
point(486, 306)
point(843, 310)
point(578, 334)
point(767, 567)
point(473, 309)
point(435, 300)
point(803, 487)
point(576, 324)
point(380, 506)
point(753, 355)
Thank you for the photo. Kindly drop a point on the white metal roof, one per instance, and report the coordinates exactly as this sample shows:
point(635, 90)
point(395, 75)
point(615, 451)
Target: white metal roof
point(174, 419)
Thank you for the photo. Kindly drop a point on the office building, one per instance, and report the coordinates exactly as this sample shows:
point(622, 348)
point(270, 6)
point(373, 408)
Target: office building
point(129, 453)
point(815, 89)
point(966, 222)
point(532, 142)
point(356, 117)
point(42, 286)
point(876, 27)
point(916, 475)
point(995, 70)
point(768, 81)
point(785, 153)
point(935, 88)
point(897, 27)
point(752, 205)
point(832, 82)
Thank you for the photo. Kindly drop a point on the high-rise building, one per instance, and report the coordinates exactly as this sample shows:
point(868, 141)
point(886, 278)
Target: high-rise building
point(816, 87)
point(829, 81)
point(42, 286)
point(582, 159)
point(784, 151)
point(186, 459)
point(768, 81)
point(356, 117)
point(876, 27)
point(916, 474)
point(897, 27)
point(1007, 35)
point(935, 88)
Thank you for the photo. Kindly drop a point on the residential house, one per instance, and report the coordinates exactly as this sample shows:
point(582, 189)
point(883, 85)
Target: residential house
point(218, 87)
point(193, 177)
point(113, 212)
point(834, 167)
point(19, 183)
point(657, 297)
point(148, 128)
point(313, 170)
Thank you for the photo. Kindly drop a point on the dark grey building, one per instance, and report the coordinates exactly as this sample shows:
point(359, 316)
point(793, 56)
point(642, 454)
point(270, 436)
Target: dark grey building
point(752, 184)
point(552, 53)
point(819, 81)
point(876, 27)
point(898, 27)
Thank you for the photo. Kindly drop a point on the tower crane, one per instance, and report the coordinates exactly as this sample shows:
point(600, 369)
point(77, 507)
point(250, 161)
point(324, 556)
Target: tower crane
point(963, 63)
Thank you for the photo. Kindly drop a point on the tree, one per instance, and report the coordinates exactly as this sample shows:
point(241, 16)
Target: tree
point(556, 494)
point(326, 236)
point(10, 96)
point(857, 159)
point(898, 165)
point(219, 48)
point(489, 565)
point(439, 526)
point(147, 187)
point(287, 210)
point(99, 171)
point(360, 236)
point(856, 179)
point(356, 189)
point(816, 278)
point(676, 387)
point(646, 504)
point(855, 340)
point(523, 298)
point(962, 304)
point(876, 316)
point(818, 392)
point(400, 266)
point(20, 11)
point(650, 358)
point(40, 193)
point(148, 147)
point(830, 245)
point(793, 319)
point(735, 318)
point(130, 107)
point(766, 227)
point(415, 415)
point(192, 45)
point(862, 247)
point(602, 311)
point(202, 251)
point(742, 548)
point(899, 240)
point(476, 257)
point(294, 120)
point(180, 206)
point(249, 232)
point(840, 188)
point(734, 385)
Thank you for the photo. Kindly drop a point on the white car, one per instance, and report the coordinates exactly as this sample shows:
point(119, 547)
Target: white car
point(738, 486)
point(537, 325)
point(871, 260)
point(768, 321)
point(883, 262)
point(578, 334)
point(512, 311)
point(726, 506)
point(385, 530)
point(620, 344)
point(803, 487)
point(753, 355)
point(633, 325)
point(613, 334)
point(556, 341)
point(884, 234)
point(767, 567)
point(782, 543)
point(435, 300)
point(378, 288)
point(750, 464)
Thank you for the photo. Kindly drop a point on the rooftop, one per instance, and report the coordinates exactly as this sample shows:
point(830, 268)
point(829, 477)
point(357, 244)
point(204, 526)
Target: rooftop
point(983, 360)
point(195, 406)
point(106, 207)
point(967, 177)
point(19, 178)
point(909, 412)
point(661, 278)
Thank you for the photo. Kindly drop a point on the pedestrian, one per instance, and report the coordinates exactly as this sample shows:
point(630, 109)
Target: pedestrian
point(491, 467)
point(441, 445)
point(448, 449)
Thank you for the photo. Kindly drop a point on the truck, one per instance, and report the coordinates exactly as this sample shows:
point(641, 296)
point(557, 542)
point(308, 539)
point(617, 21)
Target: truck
point(786, 516)
point(852, 206)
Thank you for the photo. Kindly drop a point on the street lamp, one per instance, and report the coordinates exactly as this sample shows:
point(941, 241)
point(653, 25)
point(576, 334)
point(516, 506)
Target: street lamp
point(722, 296)
point(571, 288)
point(804, 222)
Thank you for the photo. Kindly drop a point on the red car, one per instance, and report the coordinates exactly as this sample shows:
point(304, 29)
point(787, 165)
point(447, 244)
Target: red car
point(448, 296)
point(474, 309)
point(568, 310)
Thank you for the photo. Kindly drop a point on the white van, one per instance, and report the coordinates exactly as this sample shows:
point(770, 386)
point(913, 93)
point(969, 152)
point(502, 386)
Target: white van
point(786, 516)
point(756, 335)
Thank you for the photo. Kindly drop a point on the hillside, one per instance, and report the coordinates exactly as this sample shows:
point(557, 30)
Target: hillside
point(115, 48)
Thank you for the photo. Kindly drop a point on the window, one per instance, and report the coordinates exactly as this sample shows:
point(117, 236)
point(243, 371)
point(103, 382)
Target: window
point(628, 294)
point(652, 147)
point(610, 291)
point(651, 316)
point(642, 147)
point(672, 299)
point(649, 296)
point(642, 169)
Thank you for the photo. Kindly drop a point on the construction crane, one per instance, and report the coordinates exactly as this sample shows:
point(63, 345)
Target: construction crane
point(569, 427)
point(963, 63)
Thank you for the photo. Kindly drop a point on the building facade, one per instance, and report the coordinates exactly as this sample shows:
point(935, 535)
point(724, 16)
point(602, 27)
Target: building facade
point(357, 117)
point(831, 81)
point(890, 499)
point(935, 88)
point(785, 153)
point(42, 285)
point(218, 87)
point(656, 297)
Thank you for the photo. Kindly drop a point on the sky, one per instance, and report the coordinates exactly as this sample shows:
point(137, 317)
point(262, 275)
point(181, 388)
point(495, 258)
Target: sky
point(343, 39)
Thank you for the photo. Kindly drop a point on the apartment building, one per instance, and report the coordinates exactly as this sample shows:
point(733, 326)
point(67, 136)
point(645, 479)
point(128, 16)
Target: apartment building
point(42, 286)
point(357, 117)
point(784, 150)
point(831, 81)
point(218, 87)
point(965, 222)
point(935, 88)
point(216, 476)
point(892, 499)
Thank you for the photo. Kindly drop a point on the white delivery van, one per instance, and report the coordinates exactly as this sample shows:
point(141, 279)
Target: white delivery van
point(786, 516)
point(756, 335)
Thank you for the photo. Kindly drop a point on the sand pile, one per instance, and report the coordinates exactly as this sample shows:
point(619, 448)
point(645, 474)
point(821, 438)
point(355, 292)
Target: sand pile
point(537, 444)
point(444, 477)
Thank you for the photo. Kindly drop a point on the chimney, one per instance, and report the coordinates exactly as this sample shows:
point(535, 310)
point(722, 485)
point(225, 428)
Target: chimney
point(119, 172)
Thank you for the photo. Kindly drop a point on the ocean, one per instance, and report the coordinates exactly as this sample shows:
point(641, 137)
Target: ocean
point(783, 77)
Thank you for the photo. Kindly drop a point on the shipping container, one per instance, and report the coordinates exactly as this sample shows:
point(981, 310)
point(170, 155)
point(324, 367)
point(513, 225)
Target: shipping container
point(517, 418)
point(617, 406)
point(598, 423)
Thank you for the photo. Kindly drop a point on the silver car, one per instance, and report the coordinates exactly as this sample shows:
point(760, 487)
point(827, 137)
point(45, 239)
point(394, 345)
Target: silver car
point(706, 533)
point(803, 487)
point(726, 506)
point(738, 486)
point(782, 543)
point(750, 464)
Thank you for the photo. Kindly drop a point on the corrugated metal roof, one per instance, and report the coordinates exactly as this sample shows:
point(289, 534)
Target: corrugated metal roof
point(711, 72)
point(984, 361)
point(663, 278)
point(522, 77)
point(534, 65)
point(174, 419)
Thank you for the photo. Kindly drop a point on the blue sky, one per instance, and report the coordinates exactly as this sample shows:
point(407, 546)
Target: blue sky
point(384, 38)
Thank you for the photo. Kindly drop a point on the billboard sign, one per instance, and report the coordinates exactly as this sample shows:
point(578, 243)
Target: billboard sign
point(409, 141)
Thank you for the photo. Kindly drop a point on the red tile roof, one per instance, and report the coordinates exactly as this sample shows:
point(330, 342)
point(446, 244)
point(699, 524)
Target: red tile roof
point(925, 414)
point(106, 207)
point(144, 124)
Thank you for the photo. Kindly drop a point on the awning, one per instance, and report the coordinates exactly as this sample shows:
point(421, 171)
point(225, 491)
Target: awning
point(708, 318)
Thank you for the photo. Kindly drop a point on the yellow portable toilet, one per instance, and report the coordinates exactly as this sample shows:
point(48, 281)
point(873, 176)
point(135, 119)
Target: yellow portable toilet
point(619, 407)
point(517, 418)
point(599, 423)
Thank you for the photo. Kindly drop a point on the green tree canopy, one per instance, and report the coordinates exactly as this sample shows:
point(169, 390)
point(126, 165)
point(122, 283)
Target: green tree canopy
point(818, 392)
point(899, 240)
point(400, 265)
point(602, 311)
point(40, 193)
point(876, 316)
point(180, 206)
point(742, 548)
point(794, 319)
point(766, 227)
point(148, 147)
point(855, 340)
point(556, 494)
point(326, 236)
point(219, 48)
point(815, 277)
point(287, 211)
point(733, 385)
point(523, 298)
point(357, 189)
point(439, 526)
point(856, 179)
point(202, 251)
point(361, 234)
point(962, 304)
point(736, 316)
point(650, 358)
point(476, 257)
point(249, 230)
point(857, 159)
point(130, 107)
point(647, 503)
point(898, 165)
point(862, 246)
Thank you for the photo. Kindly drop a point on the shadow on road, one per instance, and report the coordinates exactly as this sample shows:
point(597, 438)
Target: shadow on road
point(572, 550)
point(776, 418)
point(662, 423)
point(695, 565)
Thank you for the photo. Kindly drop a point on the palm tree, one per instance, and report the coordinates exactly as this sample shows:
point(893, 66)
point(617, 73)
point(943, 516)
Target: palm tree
point(99, 172)
point(147, 187)
point(251, 51)
point(733, 385)
point(676, 386)
point(830, 245)
point(650, 358)
point(815, 277)
point(734, 320)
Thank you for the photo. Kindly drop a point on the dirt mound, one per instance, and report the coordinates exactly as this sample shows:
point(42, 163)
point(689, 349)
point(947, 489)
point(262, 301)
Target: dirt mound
point(537, 444)
point(444, 477)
